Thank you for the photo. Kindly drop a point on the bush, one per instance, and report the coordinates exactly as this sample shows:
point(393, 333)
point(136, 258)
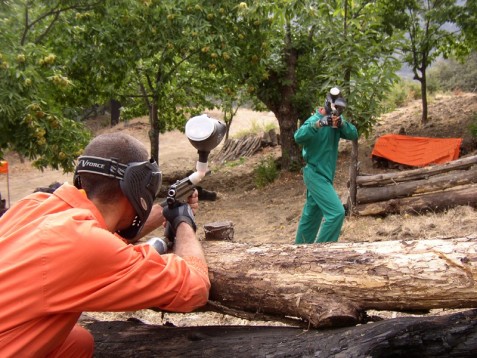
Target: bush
point(401, 94)
point(266, 172)
point(473, 127)
point(452, 75)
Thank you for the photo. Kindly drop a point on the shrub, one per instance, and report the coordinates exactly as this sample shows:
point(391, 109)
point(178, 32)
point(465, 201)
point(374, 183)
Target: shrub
point(266, 172)
point(452, 75)
point(473, 126)
point(401, 94)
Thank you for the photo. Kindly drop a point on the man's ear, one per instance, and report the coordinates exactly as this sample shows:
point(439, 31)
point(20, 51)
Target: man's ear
point(322, 110)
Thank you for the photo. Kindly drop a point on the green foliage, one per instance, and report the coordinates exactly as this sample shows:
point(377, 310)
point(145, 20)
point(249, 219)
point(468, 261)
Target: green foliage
point(235, 163)
point(428, 36)
point(473, 127)
point(174, 58)
point(358, 57)
point(402, 92)
point(467, 22)
point(256, 128)
point(34, 85)
point(266, 172)
point(453, 75)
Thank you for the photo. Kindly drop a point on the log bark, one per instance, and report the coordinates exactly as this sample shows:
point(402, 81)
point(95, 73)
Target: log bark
point(405, 189)
point(330, 285)
point(415, 174)
point(434, 202)
point(443, 336)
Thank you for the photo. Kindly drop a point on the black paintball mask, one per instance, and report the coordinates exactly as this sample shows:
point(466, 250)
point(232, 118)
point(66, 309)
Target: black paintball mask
point(335, 103)
point(139, 181)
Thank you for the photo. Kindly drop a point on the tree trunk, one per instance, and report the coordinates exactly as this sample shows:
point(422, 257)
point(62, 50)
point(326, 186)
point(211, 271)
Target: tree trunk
point(433, 202)
point(115, 112)
point(283, 106)
point(290, 150)
point(154, 131)
point(424, 91)
point(443, 336)
point(415, 174)
point(405, 189)
point(330, 285)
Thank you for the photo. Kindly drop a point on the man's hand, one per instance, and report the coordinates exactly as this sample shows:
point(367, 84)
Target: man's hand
point(193, 201)
point(178, 214)
point(323, 122)
point(336, 121)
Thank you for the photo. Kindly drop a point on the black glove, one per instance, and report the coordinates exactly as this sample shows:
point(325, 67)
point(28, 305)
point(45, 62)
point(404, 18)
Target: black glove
point(179, 213)
point(325, 121)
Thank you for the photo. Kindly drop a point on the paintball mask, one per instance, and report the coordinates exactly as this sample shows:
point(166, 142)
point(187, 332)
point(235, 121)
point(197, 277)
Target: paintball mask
point(139, 181)
point(335, 103)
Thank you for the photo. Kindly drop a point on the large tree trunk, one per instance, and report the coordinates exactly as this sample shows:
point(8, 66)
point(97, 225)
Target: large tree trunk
point(445, 336)
point(431, 202)
point(332, 284)
point(282, 106)
point(115, 111)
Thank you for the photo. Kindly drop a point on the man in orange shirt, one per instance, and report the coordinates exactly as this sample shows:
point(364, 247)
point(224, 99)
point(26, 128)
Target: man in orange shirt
point(62, 253)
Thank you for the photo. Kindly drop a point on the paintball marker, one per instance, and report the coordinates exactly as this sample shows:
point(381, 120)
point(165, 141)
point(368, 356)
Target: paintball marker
point(335, 105)
point(204, 133)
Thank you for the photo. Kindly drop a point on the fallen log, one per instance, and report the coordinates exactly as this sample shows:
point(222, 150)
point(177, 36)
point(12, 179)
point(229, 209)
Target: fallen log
point(434, 202)
point(405, 189)
point(442, 336)
point(415, 174)
point(330, 285)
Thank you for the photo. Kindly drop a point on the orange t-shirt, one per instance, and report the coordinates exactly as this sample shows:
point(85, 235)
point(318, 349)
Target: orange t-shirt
point(57, 260)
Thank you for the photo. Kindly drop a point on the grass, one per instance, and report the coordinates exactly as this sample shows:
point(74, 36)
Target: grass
point(256, 128)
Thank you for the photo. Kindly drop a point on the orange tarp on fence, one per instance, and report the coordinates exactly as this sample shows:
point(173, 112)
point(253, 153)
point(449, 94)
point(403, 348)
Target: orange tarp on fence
point(417, 151)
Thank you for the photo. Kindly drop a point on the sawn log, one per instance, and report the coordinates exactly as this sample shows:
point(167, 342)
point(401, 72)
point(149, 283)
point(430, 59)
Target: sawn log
point(415, 174)
point(329, 285)
point(433, 202)
point(405, 189)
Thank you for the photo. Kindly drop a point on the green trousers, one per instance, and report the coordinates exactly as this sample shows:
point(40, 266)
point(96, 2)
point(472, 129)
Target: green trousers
point(323, 213)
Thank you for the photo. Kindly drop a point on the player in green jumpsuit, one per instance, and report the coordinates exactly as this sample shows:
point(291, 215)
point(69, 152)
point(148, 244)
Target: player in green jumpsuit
point(323, 210)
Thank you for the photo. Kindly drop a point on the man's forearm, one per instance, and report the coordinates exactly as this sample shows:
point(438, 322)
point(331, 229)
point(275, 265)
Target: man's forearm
point(187, 244)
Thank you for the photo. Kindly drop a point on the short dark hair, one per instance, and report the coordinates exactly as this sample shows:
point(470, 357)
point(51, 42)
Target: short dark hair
point(122, 147)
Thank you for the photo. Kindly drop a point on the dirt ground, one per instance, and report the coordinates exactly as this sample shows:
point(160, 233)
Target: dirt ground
point(271, 214)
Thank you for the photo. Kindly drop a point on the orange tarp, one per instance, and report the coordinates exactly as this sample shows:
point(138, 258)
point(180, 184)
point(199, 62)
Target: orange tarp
point(3, 167)
point(417, 151)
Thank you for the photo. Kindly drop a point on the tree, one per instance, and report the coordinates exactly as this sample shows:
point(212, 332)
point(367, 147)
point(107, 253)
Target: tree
point(161, 55)
point(429, 34)
point(466, 20)
point(292, 52)
point(32, 121)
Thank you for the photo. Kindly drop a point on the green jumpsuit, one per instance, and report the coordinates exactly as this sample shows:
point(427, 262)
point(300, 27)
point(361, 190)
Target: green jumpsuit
point(320, 152)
